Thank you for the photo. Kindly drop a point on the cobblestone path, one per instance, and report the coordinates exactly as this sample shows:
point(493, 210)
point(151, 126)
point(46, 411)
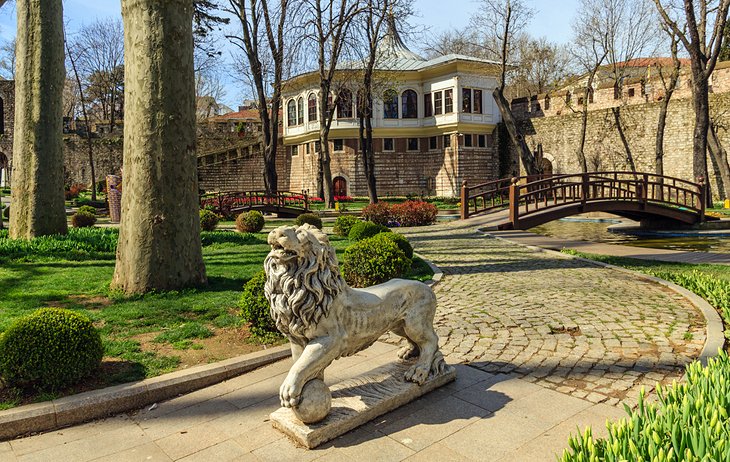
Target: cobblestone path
point(580, 329)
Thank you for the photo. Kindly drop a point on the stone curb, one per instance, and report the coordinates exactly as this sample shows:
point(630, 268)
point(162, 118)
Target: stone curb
point(437, 273)
point(90, 405)
point(715, 333)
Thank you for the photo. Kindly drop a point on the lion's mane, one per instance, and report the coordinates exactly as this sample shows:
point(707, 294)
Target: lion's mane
point(316, 272)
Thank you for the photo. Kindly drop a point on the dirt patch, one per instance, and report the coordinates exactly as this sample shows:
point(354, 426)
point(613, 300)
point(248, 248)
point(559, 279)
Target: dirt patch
point(89, 302)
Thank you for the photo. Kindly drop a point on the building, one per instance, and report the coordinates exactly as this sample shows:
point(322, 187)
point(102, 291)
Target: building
point(434, 125)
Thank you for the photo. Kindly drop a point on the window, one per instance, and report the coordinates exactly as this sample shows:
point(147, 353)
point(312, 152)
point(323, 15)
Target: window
point(291, 113)
point(427, 107)
point(438, 103)
point(448, 101)
point(410, 104)
point(388, 144)
point(478, 102)
point(344, 104)
point(412, 144)
point(317, 146)
point(309, 149)
point(482, 141)
point(632, 92)
point(312, 107)
point(433, 143)
point(466, 100)
point(580, 101)
point(537, 107)
point(300, 111)
point(447, 141)
point(337, 145)
point(467, 141)
point(390, 104)
point(547, 102)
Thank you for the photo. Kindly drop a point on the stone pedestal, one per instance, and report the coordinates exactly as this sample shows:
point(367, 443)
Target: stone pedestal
point(114, 197)
point(357, 401)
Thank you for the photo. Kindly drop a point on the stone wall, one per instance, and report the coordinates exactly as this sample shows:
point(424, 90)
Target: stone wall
point(107, 158)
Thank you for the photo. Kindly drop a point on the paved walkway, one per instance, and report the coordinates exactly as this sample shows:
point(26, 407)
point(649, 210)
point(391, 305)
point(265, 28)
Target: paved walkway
point(547, 344)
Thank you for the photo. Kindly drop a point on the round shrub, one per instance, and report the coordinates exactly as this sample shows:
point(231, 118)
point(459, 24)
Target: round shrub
point(83, 220)
point(414, 213)
point(365, 229)
point(374, 261)
point(49, 349)
point(379, 213)
point(255, 308)
point(250, 222)
point(87, 209)
point(310, 219)
point(343, 224)
point(208, 220)
point(402, 242)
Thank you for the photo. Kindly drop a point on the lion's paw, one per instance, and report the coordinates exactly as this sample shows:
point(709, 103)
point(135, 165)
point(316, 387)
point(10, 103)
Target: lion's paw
point(417, 374)
point(408, 352)
point(290, 393)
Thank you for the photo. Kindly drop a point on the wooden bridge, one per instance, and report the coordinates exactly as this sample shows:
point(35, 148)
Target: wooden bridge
point(535, 200)
point(283, 203)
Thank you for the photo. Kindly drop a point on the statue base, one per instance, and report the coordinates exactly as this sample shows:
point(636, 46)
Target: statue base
point(357, 401)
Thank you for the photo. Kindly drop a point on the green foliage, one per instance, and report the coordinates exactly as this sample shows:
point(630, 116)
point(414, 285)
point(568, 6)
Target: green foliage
point(83, 220)
point(49, 349)
point(87, 209)
point(250, 222)
point(186, 331)
point(365, 229)
point(402, 242)
point(689, 423)
point(208, 220)
point(310, 219)
point(373, 261)
point(380, 213)
point(343, 224)
point(78, 244)
point(6, 212)
point(255, 308)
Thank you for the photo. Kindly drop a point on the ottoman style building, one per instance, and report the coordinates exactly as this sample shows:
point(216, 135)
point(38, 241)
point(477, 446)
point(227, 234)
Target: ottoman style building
point(433, 126)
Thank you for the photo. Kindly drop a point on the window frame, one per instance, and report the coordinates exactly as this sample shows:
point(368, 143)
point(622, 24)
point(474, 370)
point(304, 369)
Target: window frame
point(482, 140)
point(337, 141)
point(291, 113)
point(477, 104)
point(470, 143)
point(427, 105)
point(449, 101)
point(466, 100)
point(408, 144)
point(312, 98)
point(343, 98)
point(433, 143)
point(438, 103)
point(391, 103)
point(392, 145)
point(447, 141)
point(300, 111)
point(409, 103)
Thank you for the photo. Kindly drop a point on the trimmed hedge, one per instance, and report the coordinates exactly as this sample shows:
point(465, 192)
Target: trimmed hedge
point(88, 209)
point(402, 242)
point(83, 220)
point(343, 224)
point(255, 308)
point(379, 213)
point(250, 222)
point(374, 261)
point(365, 229)
point(414, 213)
point(689, 423)
point(49, 349)
point(310, 219)
point(208, 220)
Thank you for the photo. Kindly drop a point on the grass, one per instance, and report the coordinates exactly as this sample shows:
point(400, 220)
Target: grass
point(711, 282)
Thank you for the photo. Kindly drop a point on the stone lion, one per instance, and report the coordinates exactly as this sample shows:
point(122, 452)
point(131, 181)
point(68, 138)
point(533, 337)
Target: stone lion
point(325, 319)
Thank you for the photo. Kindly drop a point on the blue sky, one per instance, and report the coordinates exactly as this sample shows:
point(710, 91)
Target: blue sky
point(552, 20)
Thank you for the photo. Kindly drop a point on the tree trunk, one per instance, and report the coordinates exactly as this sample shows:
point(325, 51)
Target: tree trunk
point(528, 160)
point(582, 139)
point(159, 239)
point(661, 124)
point(366, 143)
point(719, 158)
point(625, 142)
point(701, 104)
point(37, 195)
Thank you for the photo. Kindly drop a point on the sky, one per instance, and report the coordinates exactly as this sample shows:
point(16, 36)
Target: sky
point(552, 19)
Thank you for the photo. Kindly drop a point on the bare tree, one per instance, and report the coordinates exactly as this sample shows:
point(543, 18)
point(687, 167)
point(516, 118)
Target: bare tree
point(7, 60)
point(499, 22)
point(704, 25)
point(669, 84)
point(264, 43)
point(463, 42)
point(540, 65)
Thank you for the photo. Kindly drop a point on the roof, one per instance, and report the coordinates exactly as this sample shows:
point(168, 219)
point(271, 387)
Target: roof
point(245, 114)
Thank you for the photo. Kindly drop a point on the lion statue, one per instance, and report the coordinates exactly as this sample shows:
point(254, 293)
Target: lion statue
point(325, 319)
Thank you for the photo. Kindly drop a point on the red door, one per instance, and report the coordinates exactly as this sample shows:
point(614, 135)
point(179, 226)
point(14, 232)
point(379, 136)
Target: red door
point(340, 186)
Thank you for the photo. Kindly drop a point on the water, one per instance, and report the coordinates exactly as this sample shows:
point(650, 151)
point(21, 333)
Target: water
point(597, 231)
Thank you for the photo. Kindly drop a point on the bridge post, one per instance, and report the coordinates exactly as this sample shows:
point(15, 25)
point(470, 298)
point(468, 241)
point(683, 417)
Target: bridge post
point(703, 198)
point(514, 203)
point(464, 200)
point(642, 190)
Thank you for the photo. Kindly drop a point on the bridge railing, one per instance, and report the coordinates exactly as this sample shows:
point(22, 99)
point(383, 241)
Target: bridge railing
point(526, 195)
point(225, 202)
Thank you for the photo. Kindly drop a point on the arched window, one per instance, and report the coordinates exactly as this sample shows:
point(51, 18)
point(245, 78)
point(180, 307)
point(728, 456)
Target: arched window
point(344, 104)
point(291, 113)
point(390, 104)
point(312, 108)
point(300, 110)
point(410, 104)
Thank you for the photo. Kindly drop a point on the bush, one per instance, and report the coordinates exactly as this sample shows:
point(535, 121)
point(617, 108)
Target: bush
point(250, 222)
point(74, 190)
point(6, 212)
point(255, 308)
point(689, 422)
point(310, 219)
point(414, 213)
point(83, 220)
point(208, 220)
point(374, 261)
point(49, 349)
point(379, 213)
point(365, 229)
point(402, 242)
point(87, 209)
point(343, 224)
